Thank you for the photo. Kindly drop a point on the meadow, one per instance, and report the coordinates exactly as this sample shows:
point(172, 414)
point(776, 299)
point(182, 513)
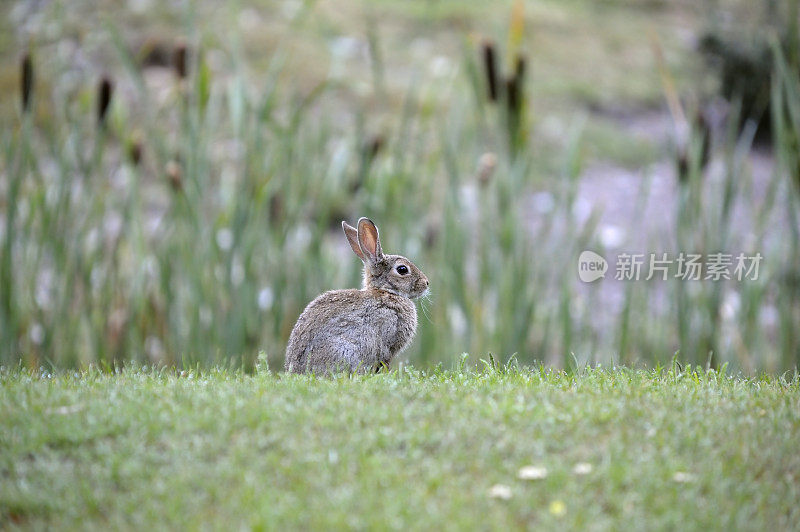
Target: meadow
point(172, 191)
point(500, 447)
point(173, 176)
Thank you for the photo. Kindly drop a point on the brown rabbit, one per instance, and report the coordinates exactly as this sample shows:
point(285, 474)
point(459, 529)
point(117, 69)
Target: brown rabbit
point(359, 330)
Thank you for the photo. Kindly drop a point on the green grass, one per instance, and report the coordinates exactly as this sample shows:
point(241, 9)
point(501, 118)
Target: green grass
point(208, 246)
point(220, 449)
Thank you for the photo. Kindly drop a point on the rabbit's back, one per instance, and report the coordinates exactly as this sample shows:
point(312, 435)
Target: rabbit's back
point(353, 330)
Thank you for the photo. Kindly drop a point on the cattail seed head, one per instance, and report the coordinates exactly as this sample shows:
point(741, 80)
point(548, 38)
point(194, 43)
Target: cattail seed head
point(433, 232)
point(512, 96)
point(515, 86)
point(276, 208)
point(698, 131)
point(682, 162)
point(180, 60)
point(519, 70)
point(369, 150)
point(135, 149)
point(104, 92)
point(486, 165)
point(704, 129)
point(374, 146)
point(490, 70)
point(174, 175)
point(26, 81)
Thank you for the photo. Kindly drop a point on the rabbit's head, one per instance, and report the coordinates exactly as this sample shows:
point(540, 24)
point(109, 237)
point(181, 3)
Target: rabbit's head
point(391, 273)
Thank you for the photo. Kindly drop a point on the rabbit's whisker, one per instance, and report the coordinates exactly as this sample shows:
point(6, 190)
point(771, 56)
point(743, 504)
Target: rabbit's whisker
point(426, 297)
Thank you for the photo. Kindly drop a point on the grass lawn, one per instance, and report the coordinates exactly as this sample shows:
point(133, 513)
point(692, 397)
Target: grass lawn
point(226, 450)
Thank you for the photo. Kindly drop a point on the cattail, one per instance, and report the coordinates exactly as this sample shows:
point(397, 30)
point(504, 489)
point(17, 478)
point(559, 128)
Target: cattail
point(135, 149)
point(276, 208)
point(174, 175)
point(180, 60)
point(795, 152)
point(433, 231)
point(512, 96)
point(519, 71)
point(486, 165)
point(515, 96)
point(699, 129)
point(490, 69)
point(104, 93)
point(26, 68)
point(704, 128)
point(373, 147)
point(370, 149)
point(515, 86)
point(154, 53)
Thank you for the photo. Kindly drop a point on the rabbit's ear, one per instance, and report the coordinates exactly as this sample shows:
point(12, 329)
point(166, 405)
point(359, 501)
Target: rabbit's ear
point(352, 237)
point(368, 239)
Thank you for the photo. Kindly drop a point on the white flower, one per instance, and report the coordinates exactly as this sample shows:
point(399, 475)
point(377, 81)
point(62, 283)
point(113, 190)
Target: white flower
point(582, 468)
point(683, 477)
point(500, 491)
point(532, 473)
point(37, 333)
point(265, 298)
point(224, 239)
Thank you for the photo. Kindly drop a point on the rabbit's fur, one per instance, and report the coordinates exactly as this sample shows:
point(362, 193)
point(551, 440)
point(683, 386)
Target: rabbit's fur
point(359, 330)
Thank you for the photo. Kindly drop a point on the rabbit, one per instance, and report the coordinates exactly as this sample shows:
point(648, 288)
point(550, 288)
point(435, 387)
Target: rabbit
point(359, 331)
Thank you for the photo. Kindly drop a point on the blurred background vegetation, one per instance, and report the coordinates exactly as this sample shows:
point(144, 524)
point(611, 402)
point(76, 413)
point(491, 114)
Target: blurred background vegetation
point(173, 174)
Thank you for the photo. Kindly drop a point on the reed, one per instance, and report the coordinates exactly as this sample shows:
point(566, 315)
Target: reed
point(195, 230)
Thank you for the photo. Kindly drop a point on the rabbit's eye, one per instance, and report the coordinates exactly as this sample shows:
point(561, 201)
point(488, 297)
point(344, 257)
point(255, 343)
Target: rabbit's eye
point(402, 269)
